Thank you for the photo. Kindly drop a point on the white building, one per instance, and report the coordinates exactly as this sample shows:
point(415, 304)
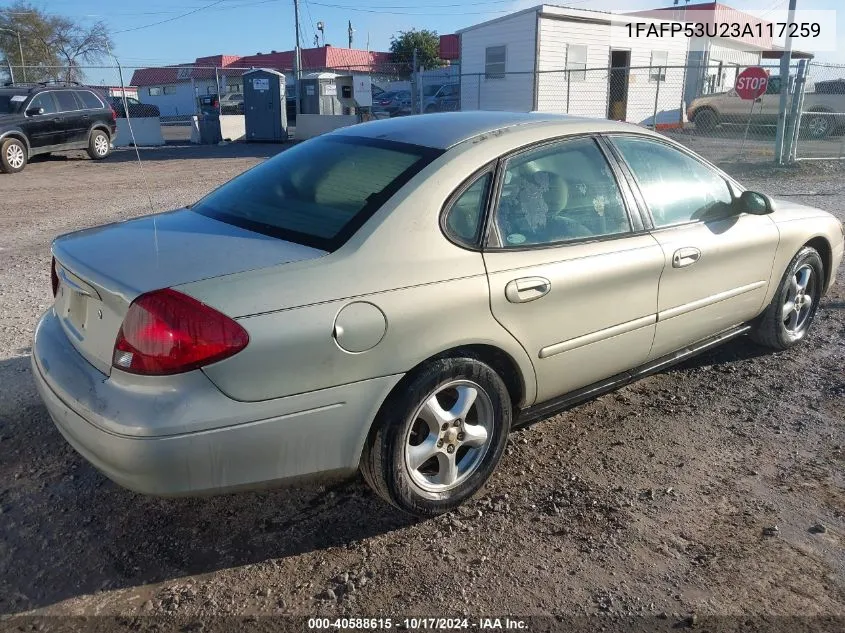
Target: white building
point(519, 62)
point(716, 61)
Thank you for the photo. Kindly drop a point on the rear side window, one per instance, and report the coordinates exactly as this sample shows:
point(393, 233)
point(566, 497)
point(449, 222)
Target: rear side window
point(66, 100)
point(319, 192)
point(89, 99)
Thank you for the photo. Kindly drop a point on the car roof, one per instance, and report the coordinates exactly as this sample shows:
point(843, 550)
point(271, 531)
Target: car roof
point(446, 129)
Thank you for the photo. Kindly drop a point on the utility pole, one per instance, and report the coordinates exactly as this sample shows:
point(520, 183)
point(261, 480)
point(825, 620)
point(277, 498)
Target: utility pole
point(297, 56)
point(351, 31)
point(784, 85)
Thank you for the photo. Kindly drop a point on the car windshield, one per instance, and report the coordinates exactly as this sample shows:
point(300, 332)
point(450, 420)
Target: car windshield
point(317, 193)
point(10, 102)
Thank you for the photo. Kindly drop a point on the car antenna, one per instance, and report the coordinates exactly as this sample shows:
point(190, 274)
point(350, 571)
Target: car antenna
point(135, 146)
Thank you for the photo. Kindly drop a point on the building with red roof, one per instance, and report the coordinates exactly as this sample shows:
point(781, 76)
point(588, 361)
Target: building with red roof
point(174, 89)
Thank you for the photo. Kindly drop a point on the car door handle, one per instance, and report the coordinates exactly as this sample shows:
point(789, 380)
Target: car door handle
point(685, 257)
point(527, 289)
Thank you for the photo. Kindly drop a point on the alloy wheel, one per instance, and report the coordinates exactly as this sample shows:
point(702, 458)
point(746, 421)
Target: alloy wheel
point(799, 300)
point(818, 126)
point(15, 156)
point(449, 435)
point(101, 145)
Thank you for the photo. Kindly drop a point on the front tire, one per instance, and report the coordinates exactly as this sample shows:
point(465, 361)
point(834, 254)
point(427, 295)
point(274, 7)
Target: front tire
point(438, 437)
point(99, 145)
point(12, 156)
point(790, 314)
point(706, 120)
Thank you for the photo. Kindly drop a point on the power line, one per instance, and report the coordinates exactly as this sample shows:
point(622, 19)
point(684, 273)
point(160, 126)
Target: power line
point(178, 17)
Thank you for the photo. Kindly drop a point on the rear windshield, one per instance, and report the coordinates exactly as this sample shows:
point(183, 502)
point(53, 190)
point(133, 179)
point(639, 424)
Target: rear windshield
point(319, 192)
point(11, 103)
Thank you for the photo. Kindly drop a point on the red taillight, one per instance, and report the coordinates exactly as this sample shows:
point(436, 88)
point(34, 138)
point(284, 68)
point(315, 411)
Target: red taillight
point(54, 278)
point(167, 332)
point(114, 114)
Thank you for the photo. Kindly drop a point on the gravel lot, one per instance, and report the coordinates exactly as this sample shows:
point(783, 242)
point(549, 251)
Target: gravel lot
point(715, 488)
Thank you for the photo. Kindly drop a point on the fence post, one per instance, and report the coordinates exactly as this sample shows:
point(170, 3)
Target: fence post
point(568, 85)
point(797, 110)
point(656, 98)
point(478, 90)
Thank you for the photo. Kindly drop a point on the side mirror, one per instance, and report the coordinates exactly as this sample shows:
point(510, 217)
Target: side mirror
point(755, 203)
point(34, 111)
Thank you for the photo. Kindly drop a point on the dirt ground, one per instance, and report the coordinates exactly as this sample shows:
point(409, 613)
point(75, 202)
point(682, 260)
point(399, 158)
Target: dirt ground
point(714, 488)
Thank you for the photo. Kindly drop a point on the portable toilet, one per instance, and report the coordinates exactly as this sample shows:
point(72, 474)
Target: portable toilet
point(318, 94)
point(265, 112)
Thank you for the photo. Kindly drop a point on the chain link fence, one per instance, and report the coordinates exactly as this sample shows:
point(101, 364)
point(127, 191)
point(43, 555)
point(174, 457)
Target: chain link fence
point(694, 104)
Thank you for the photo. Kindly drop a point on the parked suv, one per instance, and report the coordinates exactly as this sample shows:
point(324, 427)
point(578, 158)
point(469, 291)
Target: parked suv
point(447, 99)
point(37, 119)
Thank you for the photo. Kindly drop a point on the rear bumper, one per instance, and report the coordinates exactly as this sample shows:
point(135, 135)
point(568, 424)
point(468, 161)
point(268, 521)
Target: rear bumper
point(183, 436)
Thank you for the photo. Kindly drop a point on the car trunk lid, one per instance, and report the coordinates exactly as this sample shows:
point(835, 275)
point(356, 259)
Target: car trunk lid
point(102, 270)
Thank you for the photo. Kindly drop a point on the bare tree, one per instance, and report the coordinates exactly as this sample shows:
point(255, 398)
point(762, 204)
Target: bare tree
point(54, 47)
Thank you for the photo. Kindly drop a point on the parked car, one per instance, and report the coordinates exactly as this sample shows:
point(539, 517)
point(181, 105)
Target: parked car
point(395, 296)
point(446, 99)
point(824, 111)
point(393, 102)
point(232, 103)
point(42, 118)
point(136, 108)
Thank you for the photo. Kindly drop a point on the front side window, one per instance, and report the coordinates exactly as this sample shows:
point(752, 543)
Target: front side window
point(676, 187)
point(464, 217)
point(44, 100)
point(562, 192)
point(319, 192)
point(494, 62)
point(576, 62)
point(67, 102)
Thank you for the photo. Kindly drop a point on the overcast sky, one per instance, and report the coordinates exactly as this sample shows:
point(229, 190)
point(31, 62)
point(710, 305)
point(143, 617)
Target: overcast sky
point(151, 32)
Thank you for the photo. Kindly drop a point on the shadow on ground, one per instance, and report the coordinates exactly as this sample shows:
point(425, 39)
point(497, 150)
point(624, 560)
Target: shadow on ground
point(69, 531)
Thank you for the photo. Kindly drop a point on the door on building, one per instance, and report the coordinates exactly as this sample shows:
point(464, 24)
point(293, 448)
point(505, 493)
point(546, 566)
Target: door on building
point(617, 103)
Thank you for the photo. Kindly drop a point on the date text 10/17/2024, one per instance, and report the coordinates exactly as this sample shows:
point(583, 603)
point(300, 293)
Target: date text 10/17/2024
point(419, 624)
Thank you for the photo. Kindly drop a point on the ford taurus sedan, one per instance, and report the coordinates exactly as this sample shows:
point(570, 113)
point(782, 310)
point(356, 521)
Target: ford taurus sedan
point(395, 296)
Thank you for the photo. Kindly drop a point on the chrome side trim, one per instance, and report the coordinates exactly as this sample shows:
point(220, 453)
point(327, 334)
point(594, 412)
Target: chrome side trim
point(593, 337)
point(537, 412)
point(706, 301)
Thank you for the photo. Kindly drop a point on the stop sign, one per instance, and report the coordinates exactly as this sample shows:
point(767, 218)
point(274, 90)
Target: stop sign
point(751, 82)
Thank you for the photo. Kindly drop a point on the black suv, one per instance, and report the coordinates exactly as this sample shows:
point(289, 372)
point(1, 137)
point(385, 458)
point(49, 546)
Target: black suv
point(36, 119)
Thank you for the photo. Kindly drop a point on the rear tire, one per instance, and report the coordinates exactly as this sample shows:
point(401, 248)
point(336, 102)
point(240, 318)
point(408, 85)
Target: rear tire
point(12, 156)
point(705, 120)
point(790, 314)
point(818, 125)
point(99, 145)
point(438, 437)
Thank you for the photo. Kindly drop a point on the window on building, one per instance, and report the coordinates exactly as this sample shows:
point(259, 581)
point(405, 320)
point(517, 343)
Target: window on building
point(154, 92)
point(494, 62)
point(576, 62)
point(659, 60)
point(170, 90)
